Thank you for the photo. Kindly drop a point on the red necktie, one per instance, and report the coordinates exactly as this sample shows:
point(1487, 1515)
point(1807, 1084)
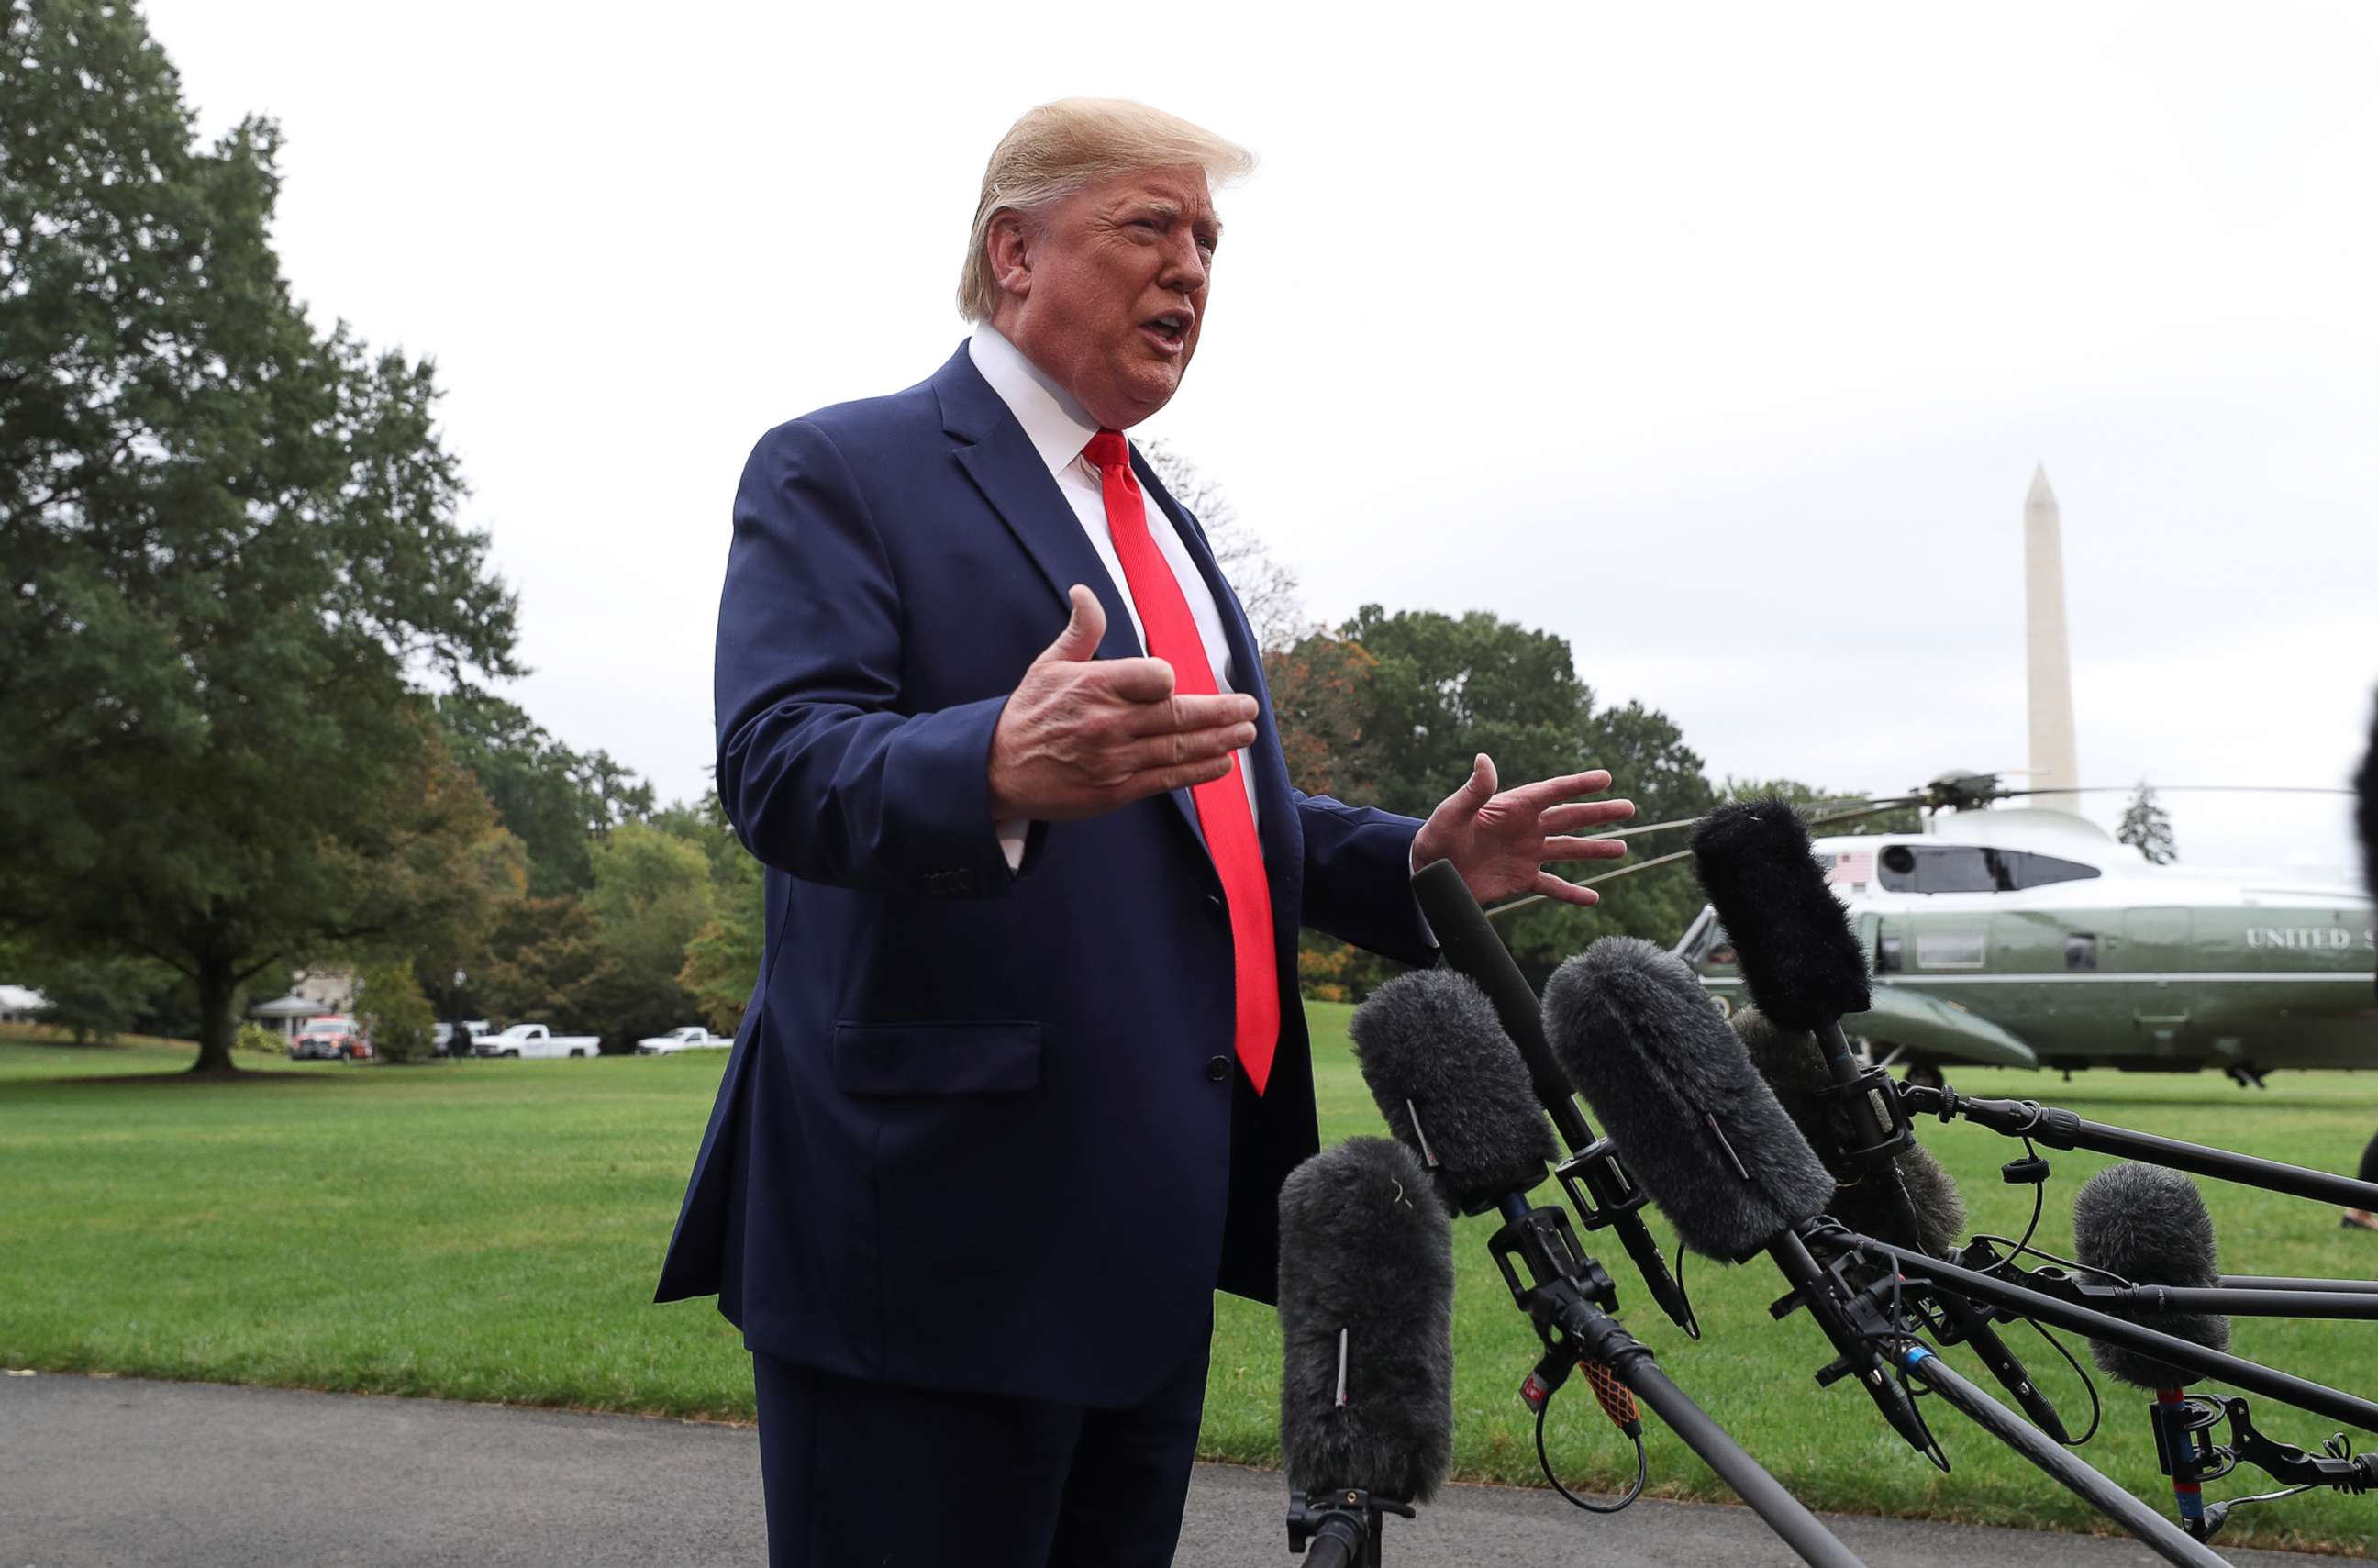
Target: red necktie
point(1222, 812)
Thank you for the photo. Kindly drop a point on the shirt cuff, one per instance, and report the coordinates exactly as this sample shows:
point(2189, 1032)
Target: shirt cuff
point(1013, 836)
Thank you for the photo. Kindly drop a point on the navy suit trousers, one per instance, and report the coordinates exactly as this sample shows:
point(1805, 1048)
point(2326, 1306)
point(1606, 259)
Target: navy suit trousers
point(861, 1472)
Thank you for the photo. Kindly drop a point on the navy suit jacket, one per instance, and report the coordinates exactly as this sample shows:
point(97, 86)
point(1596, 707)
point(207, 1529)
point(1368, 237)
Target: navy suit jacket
point(982, 1128)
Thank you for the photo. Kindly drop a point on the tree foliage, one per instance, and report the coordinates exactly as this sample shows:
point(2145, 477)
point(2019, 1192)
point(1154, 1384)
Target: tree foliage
point(397, 1018)
point(1266, 589)
point(230, 552)
point(2146, 828)
point(560, 803)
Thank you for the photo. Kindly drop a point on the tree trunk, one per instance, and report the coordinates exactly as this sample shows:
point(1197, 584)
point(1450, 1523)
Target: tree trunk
point(216, 1022)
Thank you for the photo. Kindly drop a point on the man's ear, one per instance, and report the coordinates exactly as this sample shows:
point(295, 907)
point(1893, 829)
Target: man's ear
point(1011, 245)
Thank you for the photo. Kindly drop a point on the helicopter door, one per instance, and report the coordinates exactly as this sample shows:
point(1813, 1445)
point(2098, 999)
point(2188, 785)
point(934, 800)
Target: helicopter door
point(2160, 945)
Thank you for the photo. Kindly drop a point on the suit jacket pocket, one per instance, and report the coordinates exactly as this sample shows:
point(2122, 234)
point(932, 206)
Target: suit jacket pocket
point(936, 1058)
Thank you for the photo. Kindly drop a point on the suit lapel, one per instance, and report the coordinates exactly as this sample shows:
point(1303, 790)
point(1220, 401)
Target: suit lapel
point(1001, 460)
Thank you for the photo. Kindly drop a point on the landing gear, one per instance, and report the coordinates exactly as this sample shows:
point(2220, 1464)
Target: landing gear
point(2245, 1074)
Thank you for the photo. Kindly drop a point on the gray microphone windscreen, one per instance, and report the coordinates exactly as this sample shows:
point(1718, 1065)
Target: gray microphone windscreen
point(2149, 1227)
point(1793, 1065)
point(1451, 1086)
point(2365, 809)
point(1365, 1324)
point(1701, 1132)
point(1800, 959)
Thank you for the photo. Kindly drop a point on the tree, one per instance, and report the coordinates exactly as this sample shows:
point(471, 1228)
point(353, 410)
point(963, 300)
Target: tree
point(2146, 828)
point(396, 1017)
point(722, 963)
point(548, 964)
point(557, 803)
point(1267, 590)
point(651, 898)
point(232, 550)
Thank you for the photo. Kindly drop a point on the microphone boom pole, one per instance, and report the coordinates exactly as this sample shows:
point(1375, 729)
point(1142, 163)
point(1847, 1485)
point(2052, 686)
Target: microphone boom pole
point(2219, 1365)
point(2059, 1128)
point(2159, 1533)
point(1472, 948)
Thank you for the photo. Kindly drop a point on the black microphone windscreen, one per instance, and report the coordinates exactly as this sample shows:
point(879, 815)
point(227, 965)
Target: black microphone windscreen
point(1701, 1132)
point(2365, 810)
point(1799, 957)
point(2149, 1227)
point(1794, 1066)
point(1365, 1324)
point(1451, 1086)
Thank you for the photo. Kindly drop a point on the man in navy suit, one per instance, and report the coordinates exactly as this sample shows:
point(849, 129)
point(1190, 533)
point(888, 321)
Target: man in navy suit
point(1026, 1066)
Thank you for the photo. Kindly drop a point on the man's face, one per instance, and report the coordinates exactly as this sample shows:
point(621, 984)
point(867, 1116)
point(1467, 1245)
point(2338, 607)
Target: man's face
point(1105, 291)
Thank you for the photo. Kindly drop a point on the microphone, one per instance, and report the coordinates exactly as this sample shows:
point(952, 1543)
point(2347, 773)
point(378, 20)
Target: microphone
point(1454, 1090)
point(1638, 1036)
point(1799, 957)
point(1451, 1088)
point(2147, 1225)
point(1795, 1068)
point(1366, 1344)
point(1472, 948)
point(2365, 808)
point(1914, 1202)
point(1645, 1045)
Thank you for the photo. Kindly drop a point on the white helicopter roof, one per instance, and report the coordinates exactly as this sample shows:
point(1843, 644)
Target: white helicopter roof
point(2065, 836)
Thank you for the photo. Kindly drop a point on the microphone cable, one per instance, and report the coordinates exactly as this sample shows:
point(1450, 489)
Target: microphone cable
point(1614, 1396)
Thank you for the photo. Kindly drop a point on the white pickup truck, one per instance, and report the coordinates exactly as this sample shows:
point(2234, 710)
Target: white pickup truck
point(692, 1037)
point(535, 1040)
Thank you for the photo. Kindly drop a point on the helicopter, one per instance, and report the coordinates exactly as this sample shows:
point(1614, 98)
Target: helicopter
point(2029, 937)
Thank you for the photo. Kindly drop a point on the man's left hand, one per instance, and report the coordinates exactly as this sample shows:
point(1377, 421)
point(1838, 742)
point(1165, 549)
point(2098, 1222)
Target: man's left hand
point(1500, 842)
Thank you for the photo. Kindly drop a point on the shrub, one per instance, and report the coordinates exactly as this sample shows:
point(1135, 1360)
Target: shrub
point(396, 1018)
point(257, 1039)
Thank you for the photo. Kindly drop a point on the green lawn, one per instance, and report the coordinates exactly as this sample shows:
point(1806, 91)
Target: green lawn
point(490, 1230)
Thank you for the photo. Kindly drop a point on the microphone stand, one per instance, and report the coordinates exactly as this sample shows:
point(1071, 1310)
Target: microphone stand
point(2018, 1301)
point(2088, 1287)
point(2059, 1128)
point(2160, 1535)
point(1568, 1296)
point(2185, 1451)
point(1597, 1182)
point(1868, 1128)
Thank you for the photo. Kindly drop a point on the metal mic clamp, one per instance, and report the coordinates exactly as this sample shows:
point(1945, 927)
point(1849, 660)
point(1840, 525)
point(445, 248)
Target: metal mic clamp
point(1341, 1528)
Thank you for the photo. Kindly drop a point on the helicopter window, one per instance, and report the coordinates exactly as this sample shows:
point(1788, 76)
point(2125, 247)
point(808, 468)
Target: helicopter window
point(1886, 960)
point(1945, 869)
point(2028, 870)
point(2080, 950)
point(1950, 949)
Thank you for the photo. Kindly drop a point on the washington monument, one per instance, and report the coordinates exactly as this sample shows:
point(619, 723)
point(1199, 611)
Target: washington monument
point(2048, 650)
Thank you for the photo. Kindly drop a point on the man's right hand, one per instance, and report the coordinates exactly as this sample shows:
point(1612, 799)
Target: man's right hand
point(1083, 735)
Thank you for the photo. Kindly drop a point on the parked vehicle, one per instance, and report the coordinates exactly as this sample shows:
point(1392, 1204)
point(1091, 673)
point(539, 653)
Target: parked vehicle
point(441, 1037)
point(535, 1040)
point(330, 1038)
point(692, 1037)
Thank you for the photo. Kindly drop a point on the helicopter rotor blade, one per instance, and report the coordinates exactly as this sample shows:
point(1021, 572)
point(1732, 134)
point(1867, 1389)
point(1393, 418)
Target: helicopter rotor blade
point(1871, 807)
point(2185, 789)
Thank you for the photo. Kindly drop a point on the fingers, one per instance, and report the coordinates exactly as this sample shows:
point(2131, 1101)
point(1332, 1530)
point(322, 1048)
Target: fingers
point(1584, 814)
point(1565, 892)
point(1187, 775)
point(1584, 849)
point(1138, 680)
point(1544, 792)
point(1175, 748)
point(1183, 715)
point(1086, 624)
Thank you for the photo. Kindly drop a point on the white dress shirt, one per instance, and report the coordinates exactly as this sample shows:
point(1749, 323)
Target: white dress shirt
point(1059, 431)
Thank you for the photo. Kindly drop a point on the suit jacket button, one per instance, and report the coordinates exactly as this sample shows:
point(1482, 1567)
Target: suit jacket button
point(1218, 1068)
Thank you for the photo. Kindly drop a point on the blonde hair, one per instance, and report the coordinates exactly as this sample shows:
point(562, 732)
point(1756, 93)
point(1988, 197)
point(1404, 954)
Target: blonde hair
point(1058, 147)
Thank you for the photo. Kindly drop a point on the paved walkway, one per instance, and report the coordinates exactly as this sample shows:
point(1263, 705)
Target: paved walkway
point(97, 1472)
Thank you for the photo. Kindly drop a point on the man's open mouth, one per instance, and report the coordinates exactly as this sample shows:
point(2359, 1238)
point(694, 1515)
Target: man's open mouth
point(1172, 329)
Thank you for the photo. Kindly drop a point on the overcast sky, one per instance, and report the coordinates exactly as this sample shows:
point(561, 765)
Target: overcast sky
point(1721, 339)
